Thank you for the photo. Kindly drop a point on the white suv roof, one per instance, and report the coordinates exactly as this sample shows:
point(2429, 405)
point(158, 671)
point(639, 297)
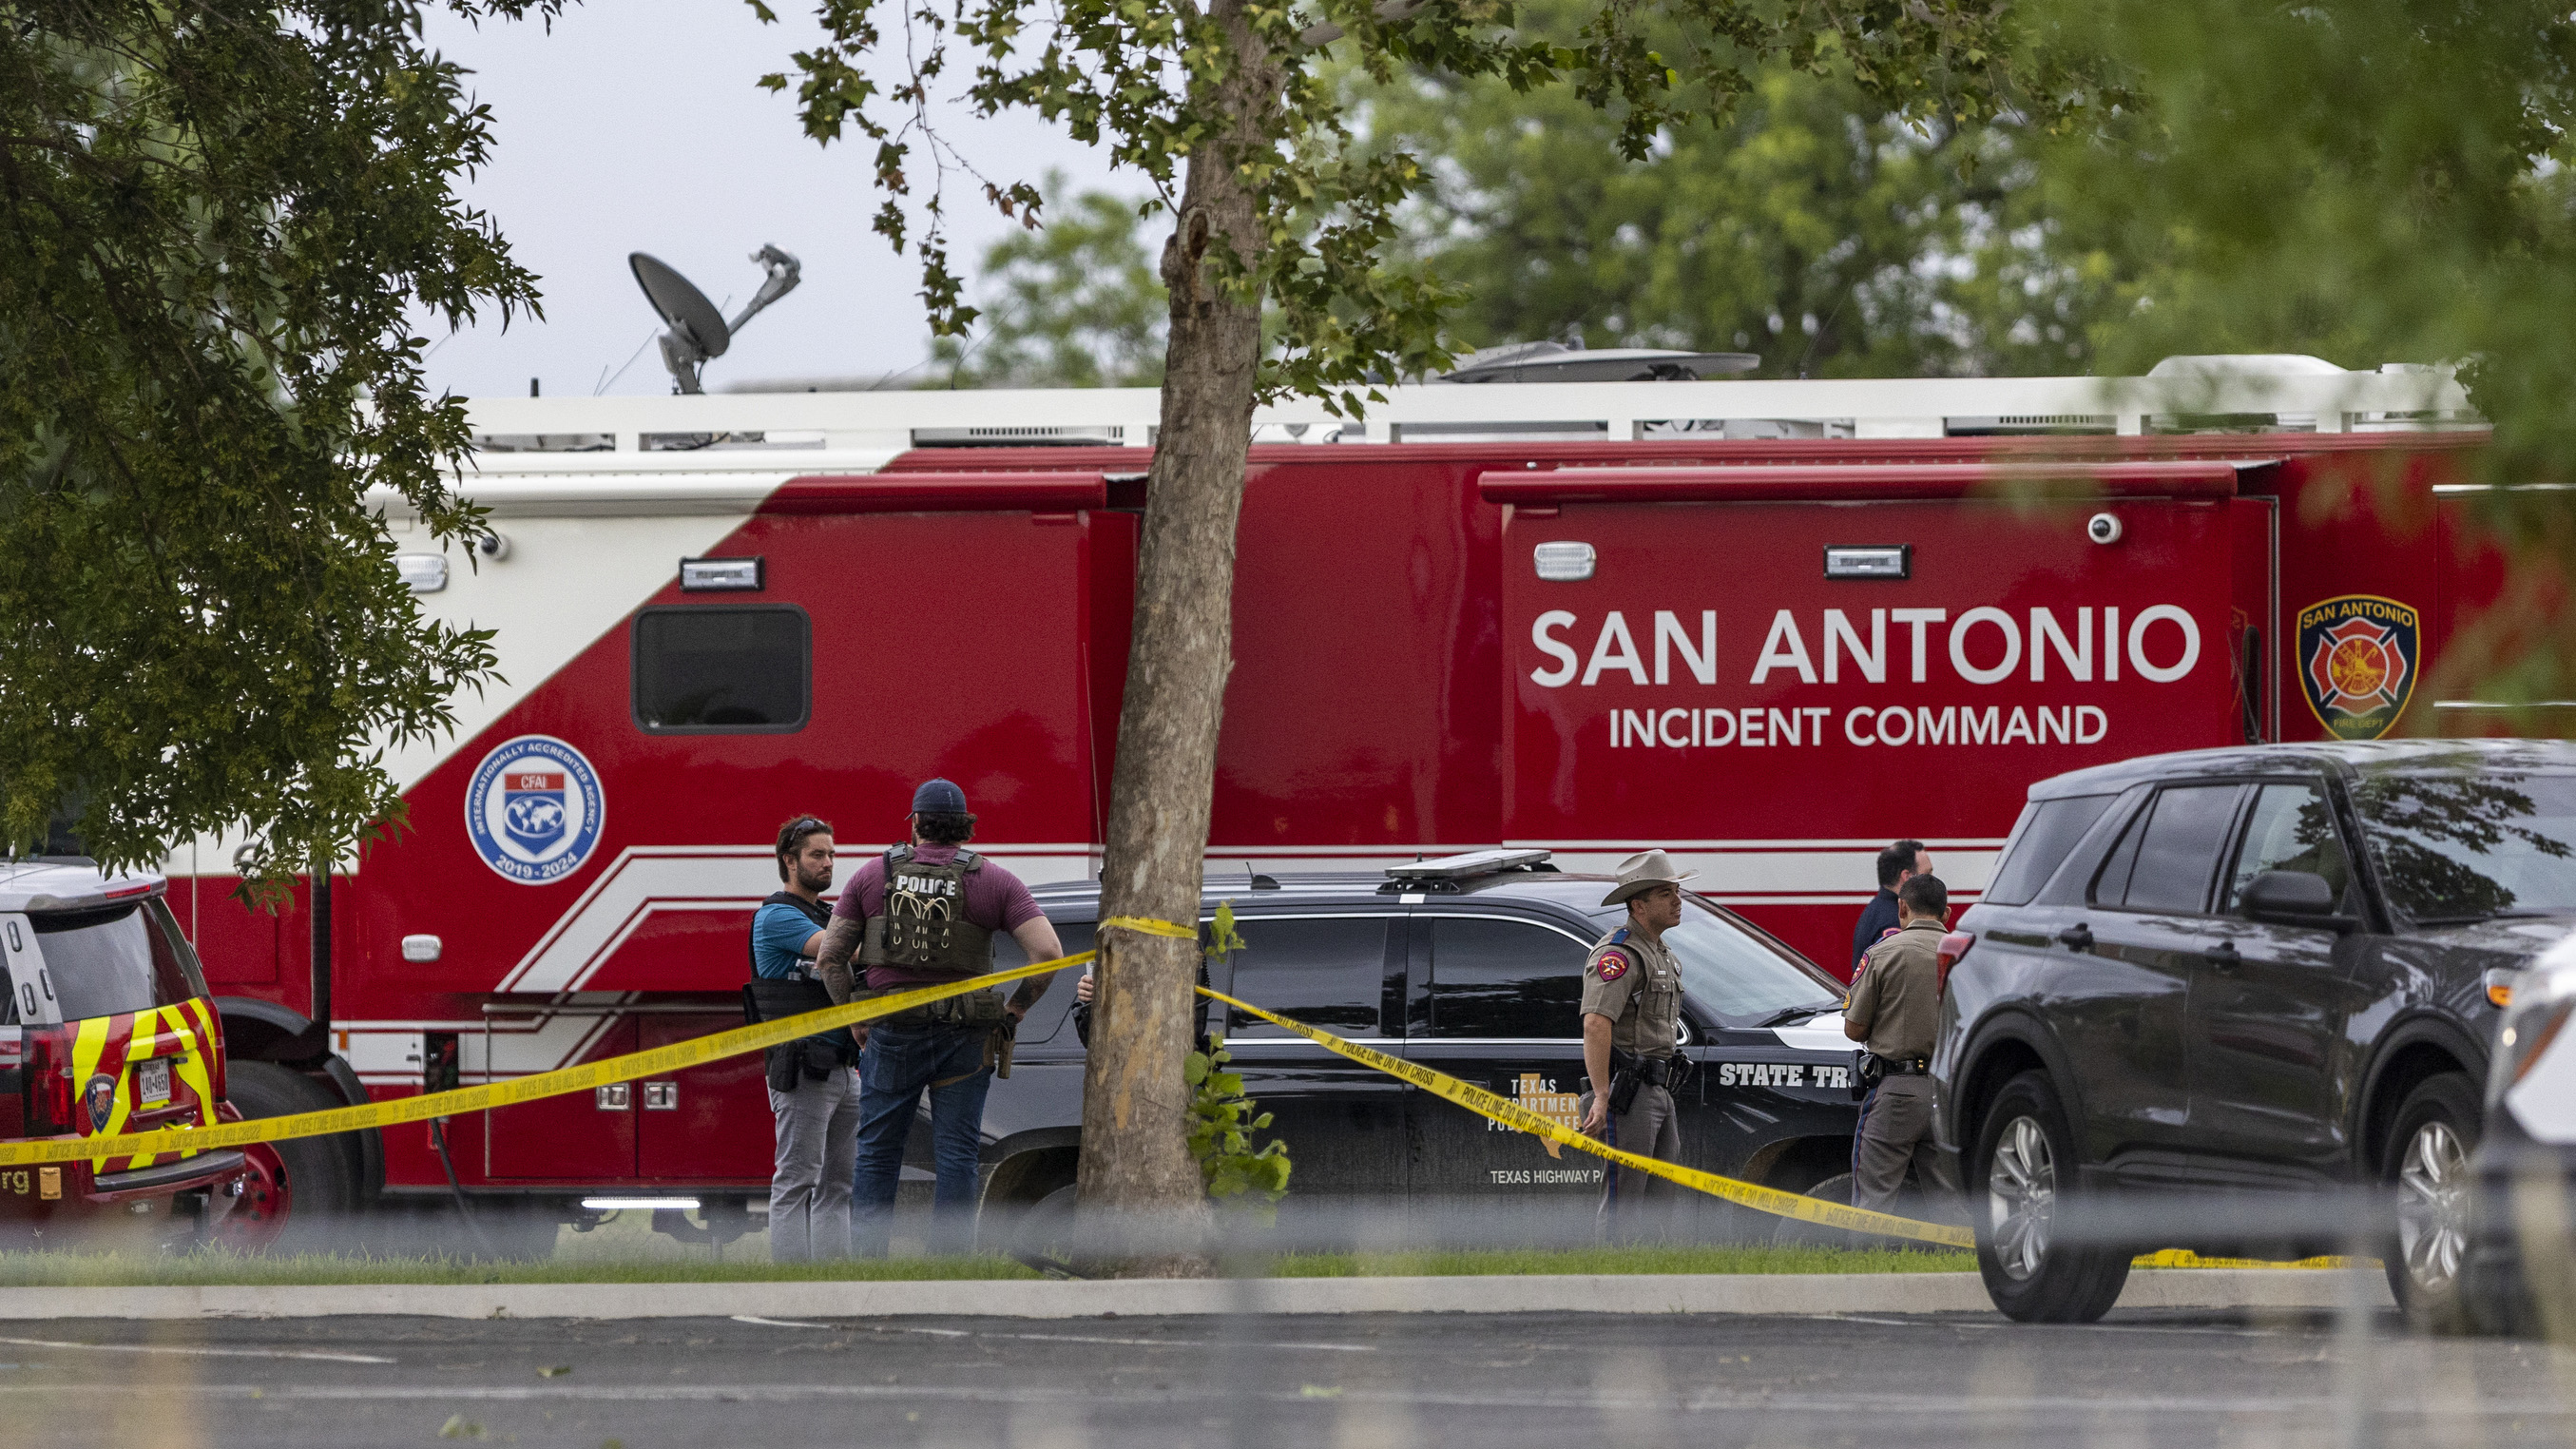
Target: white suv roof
point(58, 884)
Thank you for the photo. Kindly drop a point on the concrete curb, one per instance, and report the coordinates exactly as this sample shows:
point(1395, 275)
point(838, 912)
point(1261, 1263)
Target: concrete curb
point(1782, 1293)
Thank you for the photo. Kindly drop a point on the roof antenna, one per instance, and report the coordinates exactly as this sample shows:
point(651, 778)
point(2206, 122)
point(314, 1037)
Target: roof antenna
point(697, 331)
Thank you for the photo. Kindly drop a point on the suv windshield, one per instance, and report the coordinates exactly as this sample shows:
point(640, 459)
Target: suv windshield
point(1739, 974)
point(2462, 845)
point(113, 959)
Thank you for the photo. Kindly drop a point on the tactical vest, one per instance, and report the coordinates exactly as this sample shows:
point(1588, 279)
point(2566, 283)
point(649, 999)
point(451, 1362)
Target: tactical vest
point(924, 925)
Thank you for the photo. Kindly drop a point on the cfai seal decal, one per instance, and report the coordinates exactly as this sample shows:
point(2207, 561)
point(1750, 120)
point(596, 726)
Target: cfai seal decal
point(533, 809)
point(2357, 663)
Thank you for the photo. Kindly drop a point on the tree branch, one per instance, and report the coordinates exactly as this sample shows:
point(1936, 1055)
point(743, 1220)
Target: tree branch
point(1389, 11)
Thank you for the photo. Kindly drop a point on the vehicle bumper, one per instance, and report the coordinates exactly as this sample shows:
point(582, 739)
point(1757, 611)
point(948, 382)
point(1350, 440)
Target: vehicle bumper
point(2520, 1273)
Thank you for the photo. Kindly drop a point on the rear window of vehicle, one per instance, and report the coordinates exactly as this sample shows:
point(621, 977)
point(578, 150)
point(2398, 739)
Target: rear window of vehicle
point(2171, 851)
point(113, 959)
point(707, 669)
point(2047, 830)
point(1493, 978)
point(1328, 972)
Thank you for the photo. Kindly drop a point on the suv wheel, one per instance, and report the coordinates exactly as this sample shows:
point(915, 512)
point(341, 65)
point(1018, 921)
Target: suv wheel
point(2426, 1162)
point(2019, 1178)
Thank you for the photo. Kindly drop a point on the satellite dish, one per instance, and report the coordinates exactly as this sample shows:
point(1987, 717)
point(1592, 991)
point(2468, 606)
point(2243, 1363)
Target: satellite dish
point(697, 331)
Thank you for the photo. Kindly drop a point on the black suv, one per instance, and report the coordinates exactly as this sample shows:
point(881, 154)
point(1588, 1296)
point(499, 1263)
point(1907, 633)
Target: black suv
point(2264, 968)
point(1473, 965)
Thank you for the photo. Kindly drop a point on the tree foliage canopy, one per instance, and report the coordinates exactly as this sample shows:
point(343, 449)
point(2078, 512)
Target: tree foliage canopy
point(214, 219)
point(1143, 80)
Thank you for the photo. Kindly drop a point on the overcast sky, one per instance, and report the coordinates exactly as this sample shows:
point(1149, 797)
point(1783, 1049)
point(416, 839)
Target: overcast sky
point(636, 126)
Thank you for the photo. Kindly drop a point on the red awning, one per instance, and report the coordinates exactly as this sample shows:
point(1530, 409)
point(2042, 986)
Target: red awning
point(940, 493)
point(1797, 482)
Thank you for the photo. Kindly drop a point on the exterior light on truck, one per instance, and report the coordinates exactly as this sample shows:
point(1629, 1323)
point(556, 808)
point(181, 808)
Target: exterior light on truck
point(1892, 561)
point(421, 949)
point(422, 573)
point(1564, 563)
point(722, 575)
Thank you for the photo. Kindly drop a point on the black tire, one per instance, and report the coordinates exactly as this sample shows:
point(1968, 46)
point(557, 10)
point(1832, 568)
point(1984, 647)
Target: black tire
point(2425, 1162)
point(1042, 1234)
point(2031, 1273)
point(321, 1172)
point(1799, 1233)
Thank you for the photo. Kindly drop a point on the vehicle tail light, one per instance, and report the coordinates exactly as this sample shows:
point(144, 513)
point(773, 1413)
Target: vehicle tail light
point(49, 1082)
point(1952, 947)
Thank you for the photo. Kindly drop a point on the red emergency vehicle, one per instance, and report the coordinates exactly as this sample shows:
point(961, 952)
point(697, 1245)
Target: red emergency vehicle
point(1769, 626)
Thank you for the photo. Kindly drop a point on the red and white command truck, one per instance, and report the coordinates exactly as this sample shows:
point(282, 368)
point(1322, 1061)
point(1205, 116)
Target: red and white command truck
point(1769, 626)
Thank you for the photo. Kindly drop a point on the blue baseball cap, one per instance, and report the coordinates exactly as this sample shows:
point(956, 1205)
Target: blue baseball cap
point(938, 797)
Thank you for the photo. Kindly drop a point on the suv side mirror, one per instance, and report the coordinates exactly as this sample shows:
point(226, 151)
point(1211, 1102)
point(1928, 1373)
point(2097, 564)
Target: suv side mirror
point(2294, 898)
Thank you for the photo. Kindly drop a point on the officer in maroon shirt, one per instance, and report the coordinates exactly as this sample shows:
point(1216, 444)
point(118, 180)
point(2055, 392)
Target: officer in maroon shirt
point(921, 914)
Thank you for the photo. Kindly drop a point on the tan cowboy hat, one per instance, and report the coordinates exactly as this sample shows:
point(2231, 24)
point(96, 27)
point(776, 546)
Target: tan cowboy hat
point(1642, 872)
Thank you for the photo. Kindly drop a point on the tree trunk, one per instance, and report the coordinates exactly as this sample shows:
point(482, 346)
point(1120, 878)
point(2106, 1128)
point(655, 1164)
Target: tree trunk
point(1136, 1167)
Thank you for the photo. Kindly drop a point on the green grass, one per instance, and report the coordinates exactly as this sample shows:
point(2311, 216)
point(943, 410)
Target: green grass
point(207, 1268)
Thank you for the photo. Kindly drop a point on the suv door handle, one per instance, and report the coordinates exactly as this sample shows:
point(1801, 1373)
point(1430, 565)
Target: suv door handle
point(2077, 937)
point(2222, 957)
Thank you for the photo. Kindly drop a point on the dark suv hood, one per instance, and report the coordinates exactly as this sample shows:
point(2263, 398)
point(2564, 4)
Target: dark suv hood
point(2521, 936)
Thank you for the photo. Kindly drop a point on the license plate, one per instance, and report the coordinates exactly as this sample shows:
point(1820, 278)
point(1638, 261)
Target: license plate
point(152, 1084)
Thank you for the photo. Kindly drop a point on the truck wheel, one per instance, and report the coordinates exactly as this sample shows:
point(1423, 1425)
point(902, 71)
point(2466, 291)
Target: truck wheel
point(2020, 1176)
point(2426, 1163)
point(298, 1191)
point(1799, 1233)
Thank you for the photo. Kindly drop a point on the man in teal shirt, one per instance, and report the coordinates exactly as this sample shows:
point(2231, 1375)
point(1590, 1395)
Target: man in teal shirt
point(818, 1116)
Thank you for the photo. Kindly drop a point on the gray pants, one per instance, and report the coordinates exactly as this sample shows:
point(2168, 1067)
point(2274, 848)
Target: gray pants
point(1895, 1130)
point(1632, 1202)
point(809, 1190)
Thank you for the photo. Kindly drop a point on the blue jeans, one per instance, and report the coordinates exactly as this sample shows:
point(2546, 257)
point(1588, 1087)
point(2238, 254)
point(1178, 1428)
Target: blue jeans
point(898, 1065)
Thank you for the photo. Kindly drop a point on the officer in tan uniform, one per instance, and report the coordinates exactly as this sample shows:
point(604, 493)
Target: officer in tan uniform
point(1632, 1006)
point(1895, 1012)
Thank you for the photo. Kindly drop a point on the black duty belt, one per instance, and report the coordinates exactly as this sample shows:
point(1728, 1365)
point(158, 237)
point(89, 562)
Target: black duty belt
point(1906, 1066)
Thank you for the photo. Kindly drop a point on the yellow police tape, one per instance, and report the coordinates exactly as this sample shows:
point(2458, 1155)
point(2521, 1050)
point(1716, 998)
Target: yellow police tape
point(672, 1058)
point(1512, 1114)
point(745, 1039)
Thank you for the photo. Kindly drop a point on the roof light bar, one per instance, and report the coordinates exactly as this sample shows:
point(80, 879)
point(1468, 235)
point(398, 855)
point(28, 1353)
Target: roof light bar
point(1463, 867)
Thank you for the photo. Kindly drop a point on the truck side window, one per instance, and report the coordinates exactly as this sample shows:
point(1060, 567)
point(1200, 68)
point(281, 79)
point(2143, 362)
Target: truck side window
point(1327, 972)
point(2171, 851)
point(1505, 979)
point(2289, 828)
point(723, 669)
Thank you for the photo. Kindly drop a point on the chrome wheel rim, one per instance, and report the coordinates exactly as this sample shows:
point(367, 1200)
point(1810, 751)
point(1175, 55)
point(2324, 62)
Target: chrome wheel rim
point(2021, 1197)
point(2432, 1206)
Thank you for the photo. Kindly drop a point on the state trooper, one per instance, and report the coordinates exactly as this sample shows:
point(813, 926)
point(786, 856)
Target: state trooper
point(1895, 1013)
point(1632, 1004)
point(921, 914)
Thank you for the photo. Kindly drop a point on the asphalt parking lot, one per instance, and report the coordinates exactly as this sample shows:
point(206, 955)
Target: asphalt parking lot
point(1396, 1380)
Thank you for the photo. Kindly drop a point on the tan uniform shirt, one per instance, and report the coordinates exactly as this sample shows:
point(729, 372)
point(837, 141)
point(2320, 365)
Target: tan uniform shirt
point(1897, 999)
point(1636, 984)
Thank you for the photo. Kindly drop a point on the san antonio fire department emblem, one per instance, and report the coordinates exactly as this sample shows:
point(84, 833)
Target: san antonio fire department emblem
point(2357, 658)
point(533, 809)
